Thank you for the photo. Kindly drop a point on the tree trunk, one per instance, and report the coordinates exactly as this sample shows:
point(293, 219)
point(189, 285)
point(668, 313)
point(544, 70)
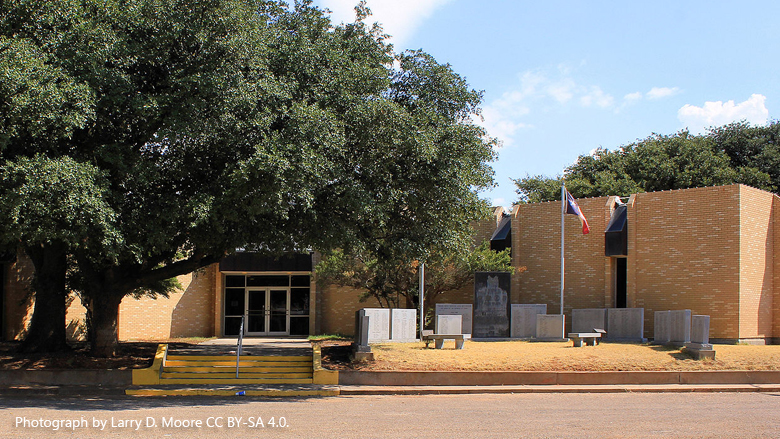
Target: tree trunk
point(47, 326)
point(105, 318)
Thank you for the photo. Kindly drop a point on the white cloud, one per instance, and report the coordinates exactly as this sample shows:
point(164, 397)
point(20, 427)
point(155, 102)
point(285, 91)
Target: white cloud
point(654, 94)
point(506, 116)
point(633, 96)
point(719, 113)
point(662, 92)
point(399, 18)
point(562, 91)
point(596, 96)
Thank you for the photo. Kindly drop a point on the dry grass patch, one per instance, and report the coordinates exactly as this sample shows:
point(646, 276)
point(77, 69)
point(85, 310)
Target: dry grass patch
point(528, 356)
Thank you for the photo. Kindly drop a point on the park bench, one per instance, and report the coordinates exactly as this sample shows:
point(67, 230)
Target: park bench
point(438, 339)
point(589, 338)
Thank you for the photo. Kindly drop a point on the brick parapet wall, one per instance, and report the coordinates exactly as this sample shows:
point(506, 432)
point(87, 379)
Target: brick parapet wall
point(536, 236)
point(776, 268)
point(756, 263)
point(685, 255)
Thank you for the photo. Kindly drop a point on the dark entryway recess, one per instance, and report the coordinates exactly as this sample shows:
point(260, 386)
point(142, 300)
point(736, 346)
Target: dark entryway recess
point(621, 280)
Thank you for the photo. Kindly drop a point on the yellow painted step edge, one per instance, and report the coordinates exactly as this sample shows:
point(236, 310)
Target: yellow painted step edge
point(169, 363)
point(241, 358)
point(151, 375)
point(236, 381)
point(228, 369)
point(320, 374)
point(208, 376)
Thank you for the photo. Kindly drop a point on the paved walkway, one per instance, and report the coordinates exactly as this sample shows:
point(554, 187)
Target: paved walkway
point(251, 346)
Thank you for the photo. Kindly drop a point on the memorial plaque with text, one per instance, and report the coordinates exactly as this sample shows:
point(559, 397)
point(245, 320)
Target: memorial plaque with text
point(465, 310)
point(491, 305)
point(403, 325)
point(524, 319)
point(378, 324)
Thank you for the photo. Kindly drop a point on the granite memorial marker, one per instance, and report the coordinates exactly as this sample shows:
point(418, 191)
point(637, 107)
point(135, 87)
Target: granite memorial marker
point(466, 310)
point(550, 327)
point(588, 319)
point(378, 324)
point(491, 305)
point(662, 327)
point(524, 319)
point(403, 325)
point(449, 324)
point(626, 324)
point(680, 327)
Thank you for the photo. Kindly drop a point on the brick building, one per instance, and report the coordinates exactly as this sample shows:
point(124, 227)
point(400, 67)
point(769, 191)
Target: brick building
point(713, 250)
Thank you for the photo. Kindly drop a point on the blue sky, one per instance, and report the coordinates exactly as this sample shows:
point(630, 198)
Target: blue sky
point(561, 78)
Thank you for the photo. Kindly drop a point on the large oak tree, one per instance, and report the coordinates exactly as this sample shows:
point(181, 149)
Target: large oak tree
point(202, 126)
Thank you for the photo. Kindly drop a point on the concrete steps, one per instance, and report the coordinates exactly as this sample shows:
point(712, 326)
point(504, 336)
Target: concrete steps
point(203, 369)
point(215, 375)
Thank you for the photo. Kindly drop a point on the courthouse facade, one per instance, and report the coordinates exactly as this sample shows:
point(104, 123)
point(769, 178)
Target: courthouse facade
point(713, 250)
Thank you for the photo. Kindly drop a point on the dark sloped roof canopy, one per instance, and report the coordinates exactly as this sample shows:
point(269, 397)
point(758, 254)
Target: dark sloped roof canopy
point(616, 235)
point(502, 237)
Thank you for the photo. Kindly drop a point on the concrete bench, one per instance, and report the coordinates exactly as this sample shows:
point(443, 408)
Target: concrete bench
point(589, 338)
point(438, 340)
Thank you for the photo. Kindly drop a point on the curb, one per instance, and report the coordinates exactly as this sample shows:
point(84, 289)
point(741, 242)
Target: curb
point(462, 390)
point(551, 378)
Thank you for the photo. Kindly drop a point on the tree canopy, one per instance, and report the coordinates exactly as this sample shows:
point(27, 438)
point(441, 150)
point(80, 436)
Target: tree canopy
point(200, 127)
point(735, 153)
point(395, 282)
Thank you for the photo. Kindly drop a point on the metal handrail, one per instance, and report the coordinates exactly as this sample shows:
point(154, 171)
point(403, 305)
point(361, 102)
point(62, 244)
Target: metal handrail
point(240, 344)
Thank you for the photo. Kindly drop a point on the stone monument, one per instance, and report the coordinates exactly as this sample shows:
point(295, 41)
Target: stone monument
point(680, 324)
point(378, 324)
point(626, 324)
point(403, 325)
point(550, 327)
point(699, 346)
point(361, 350)
point(662, 327)
point(465, 310)
point(586, 320)
point(491, 305)
point(524, 319)
point(449, 324)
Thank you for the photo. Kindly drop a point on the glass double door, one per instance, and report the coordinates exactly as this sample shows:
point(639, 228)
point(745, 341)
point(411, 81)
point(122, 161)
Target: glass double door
point(267, 311)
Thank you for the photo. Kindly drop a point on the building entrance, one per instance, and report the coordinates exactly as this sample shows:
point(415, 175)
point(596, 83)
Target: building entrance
point(267, 312)
point(271, 304)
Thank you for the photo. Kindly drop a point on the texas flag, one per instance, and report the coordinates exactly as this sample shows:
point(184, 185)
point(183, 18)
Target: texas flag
point(571, 207)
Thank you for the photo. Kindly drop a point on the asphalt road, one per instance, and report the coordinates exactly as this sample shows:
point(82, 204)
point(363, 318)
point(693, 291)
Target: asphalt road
point(433, 416)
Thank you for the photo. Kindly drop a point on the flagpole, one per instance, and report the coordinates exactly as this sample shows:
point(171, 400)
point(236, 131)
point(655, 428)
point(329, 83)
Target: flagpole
point(563, 212)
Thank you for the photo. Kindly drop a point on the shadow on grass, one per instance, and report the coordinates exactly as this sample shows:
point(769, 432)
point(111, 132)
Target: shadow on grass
point(673, 351)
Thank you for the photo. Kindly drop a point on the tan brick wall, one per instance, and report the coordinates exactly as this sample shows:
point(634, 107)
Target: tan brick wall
point(339, 305)
point(756, 263)
point(19, 304)
point(776, 268)
point(75, 318)
point(536, 236)
point(685, 255)
point(188, 312)
point(18, 301)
